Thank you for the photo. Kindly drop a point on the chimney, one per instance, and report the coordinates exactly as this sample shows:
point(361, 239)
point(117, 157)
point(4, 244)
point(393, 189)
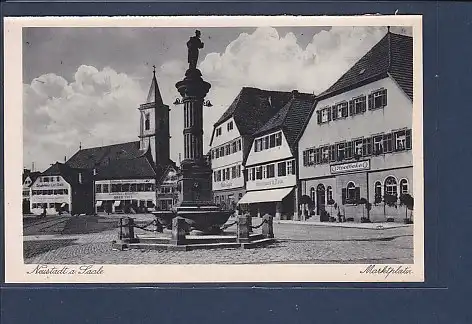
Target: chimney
point(65, 159)
point(32, 166)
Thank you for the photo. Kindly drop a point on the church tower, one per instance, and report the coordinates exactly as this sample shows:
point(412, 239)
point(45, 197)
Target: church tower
point(154, 125)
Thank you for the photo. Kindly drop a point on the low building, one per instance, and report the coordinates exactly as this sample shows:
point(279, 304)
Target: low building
point(357, 143)
point(62, 189)
point(272, 165)
point(28, 179)
point(232, 137)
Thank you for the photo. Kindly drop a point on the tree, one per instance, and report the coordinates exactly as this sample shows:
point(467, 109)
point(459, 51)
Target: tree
point(407, 201)
point(367, 205)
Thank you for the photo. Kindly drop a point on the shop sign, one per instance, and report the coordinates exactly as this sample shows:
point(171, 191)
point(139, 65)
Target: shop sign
point(126, 181)
point(351, 167)
point(226, 184)
point(270, 183)
point(51, 185)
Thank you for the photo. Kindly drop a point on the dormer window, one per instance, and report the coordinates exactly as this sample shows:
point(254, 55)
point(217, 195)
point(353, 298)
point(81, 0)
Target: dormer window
point(80, 178)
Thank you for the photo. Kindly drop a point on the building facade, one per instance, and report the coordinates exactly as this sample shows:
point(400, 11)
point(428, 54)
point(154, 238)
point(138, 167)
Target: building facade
point(167, 194)
point(232, 139)
point(272, 163)
point(61, 189)
point(28, 179)
point(356, 147)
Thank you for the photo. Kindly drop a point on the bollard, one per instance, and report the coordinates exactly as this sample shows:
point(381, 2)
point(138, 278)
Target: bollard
point(268, 226)
point(178, 231)
point(243, 229)
point(126, 229)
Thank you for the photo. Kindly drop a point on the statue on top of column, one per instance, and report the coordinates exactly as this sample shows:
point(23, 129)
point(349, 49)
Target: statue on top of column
point(194, 45)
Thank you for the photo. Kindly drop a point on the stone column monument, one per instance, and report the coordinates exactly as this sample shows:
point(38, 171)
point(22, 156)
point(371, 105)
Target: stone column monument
point(194, 181)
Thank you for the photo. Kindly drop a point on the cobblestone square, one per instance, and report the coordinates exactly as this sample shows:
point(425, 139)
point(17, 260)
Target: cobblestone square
point(296, 243)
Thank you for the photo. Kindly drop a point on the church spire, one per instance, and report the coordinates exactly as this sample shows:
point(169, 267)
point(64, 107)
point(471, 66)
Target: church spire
point(154, 94)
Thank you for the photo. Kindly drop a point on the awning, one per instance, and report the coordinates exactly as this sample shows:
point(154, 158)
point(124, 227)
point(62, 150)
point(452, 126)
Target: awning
point(117, 203)
point(98, 203)
point(265, 196)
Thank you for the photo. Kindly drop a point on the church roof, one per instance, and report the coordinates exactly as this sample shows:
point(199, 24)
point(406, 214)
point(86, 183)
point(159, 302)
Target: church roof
point(291, 117)
point(393, 55)
point(154, 94)
point(92, 157)
point(135, 168)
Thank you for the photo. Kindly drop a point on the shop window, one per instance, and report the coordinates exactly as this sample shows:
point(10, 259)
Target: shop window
point(403, 186)
point(281, 169)
point(230, 126)
point(390, 186)
point(350, 194)
point(98, 188)
point(258, 173)
point(378, 192)
point(312, 194)
point(378, 99)
point(270, 171)
point(329, 193)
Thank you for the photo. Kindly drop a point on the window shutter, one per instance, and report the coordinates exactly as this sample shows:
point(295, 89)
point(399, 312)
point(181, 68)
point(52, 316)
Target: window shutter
point(318, 116)
point(334, 112)
point(371, 101)
point(351, 107)
point(305, 159)
point(384, 97)
point(408, 139)
point(358, 194)
point(329, 113)
point(343, 196)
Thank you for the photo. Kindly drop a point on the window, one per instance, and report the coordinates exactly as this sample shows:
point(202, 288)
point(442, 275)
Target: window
point(367, 146)
point(341, 110)
point(400, 141)
point(358, 146)
point(264, 172)
point(348, 150)
point(252, 174)
point(233, 172)
point(403, 186)
point(266, 143)
point(340, 148)
point(312, 194)
point(147, 122)
point(311, 156)
point(332, 153)
point(357, 105)
point(325, 114)
point(222, 151)
point(227, 173)
point(133, 187)
point(281, 169)
point(98, 188)
point(258, 173)
point(329, 193)
point(378, 99)
point(125, 187)
point(228, 149)
point(238, 171)
point(378, 144)
point(271, 171)
point(80, 177)
point(388, 143)
point(278, 139)
point(258, 145)
point(351, 193)
point(218, 131)
point(218, 175)
point(46, 179)
point(325, 154)
point(377, 192)
point(230, 126)
point(290, 167)
point(390, 186)
point(272, 140)
point(408, 139)
point(233, 147)
point(238, 146)
point(139, 187)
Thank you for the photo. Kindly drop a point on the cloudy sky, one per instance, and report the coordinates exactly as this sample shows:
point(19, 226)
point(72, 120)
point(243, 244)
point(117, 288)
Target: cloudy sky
point(83, 85)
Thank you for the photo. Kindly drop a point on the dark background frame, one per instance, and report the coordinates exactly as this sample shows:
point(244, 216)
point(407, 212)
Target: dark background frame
point(447, 49)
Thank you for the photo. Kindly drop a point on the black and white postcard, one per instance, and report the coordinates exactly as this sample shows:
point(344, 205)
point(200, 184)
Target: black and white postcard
point(214, 149)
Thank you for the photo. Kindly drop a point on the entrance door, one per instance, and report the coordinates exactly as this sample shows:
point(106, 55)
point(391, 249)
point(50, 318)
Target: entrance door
point(320, 199)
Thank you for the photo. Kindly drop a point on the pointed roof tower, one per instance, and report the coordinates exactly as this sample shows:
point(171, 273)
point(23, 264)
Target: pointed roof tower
point(154, 94)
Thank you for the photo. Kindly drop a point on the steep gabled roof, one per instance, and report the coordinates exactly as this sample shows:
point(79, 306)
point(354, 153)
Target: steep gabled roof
point(291, 117)
point(92, 157)
point(136, 168)
point(253, 107)
point(393, 55)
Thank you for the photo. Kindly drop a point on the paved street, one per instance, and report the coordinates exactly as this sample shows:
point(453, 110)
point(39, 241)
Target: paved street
point(302, 243)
